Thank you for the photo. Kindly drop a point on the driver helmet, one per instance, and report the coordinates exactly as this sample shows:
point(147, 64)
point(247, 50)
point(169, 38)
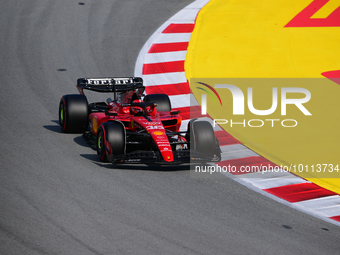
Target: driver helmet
point(135, 109)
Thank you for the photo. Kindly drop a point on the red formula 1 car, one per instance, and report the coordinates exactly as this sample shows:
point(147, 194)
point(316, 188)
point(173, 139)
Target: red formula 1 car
point(133, 128)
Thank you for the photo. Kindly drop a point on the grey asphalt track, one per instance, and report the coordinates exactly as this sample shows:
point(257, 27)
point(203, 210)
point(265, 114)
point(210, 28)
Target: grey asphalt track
point(57, 198)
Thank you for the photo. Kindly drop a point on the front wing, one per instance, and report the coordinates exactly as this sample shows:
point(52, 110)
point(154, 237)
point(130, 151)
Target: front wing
point(155, 157)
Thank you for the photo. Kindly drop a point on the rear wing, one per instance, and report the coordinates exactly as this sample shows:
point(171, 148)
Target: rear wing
point(110, 84)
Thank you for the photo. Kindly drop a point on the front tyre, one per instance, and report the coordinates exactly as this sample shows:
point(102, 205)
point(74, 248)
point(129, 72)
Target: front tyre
point(111, 140)
point(202, 138)
point(73, 113)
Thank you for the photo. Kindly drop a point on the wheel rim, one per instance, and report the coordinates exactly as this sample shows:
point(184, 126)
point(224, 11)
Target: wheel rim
point(61, 117)
point(100, 142)
point(100, 146)
point(62, 114)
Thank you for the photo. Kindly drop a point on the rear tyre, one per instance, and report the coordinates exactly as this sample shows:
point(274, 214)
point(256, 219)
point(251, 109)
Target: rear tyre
point(73, 113)
point(202, 138)
point(110, 140)
point(162, 101)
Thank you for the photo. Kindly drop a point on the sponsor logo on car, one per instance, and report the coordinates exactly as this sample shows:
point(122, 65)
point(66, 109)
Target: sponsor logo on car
point(158, 133)
point(95, 124)
point(155, 127)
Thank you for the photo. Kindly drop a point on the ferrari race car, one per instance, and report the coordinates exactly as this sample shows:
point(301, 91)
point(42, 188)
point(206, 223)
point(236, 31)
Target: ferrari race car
point(133, 128)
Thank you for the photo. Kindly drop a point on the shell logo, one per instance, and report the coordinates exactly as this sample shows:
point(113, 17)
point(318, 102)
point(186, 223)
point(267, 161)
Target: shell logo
point(158, 133)
point(95, 125)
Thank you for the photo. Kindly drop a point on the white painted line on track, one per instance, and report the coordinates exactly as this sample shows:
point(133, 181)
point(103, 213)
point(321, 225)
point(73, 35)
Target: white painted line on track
point(179, 101)
point(238, 154)
point(173, 38)
point(165, 57)
point(327, 206)
point(233, 148)
point(164, 78)
point(267, 180)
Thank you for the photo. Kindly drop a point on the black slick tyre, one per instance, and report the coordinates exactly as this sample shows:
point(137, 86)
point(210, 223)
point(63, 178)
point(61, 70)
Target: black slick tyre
point(162, 101)
point(73, 113)
point(202, 138)
point(111, 140)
